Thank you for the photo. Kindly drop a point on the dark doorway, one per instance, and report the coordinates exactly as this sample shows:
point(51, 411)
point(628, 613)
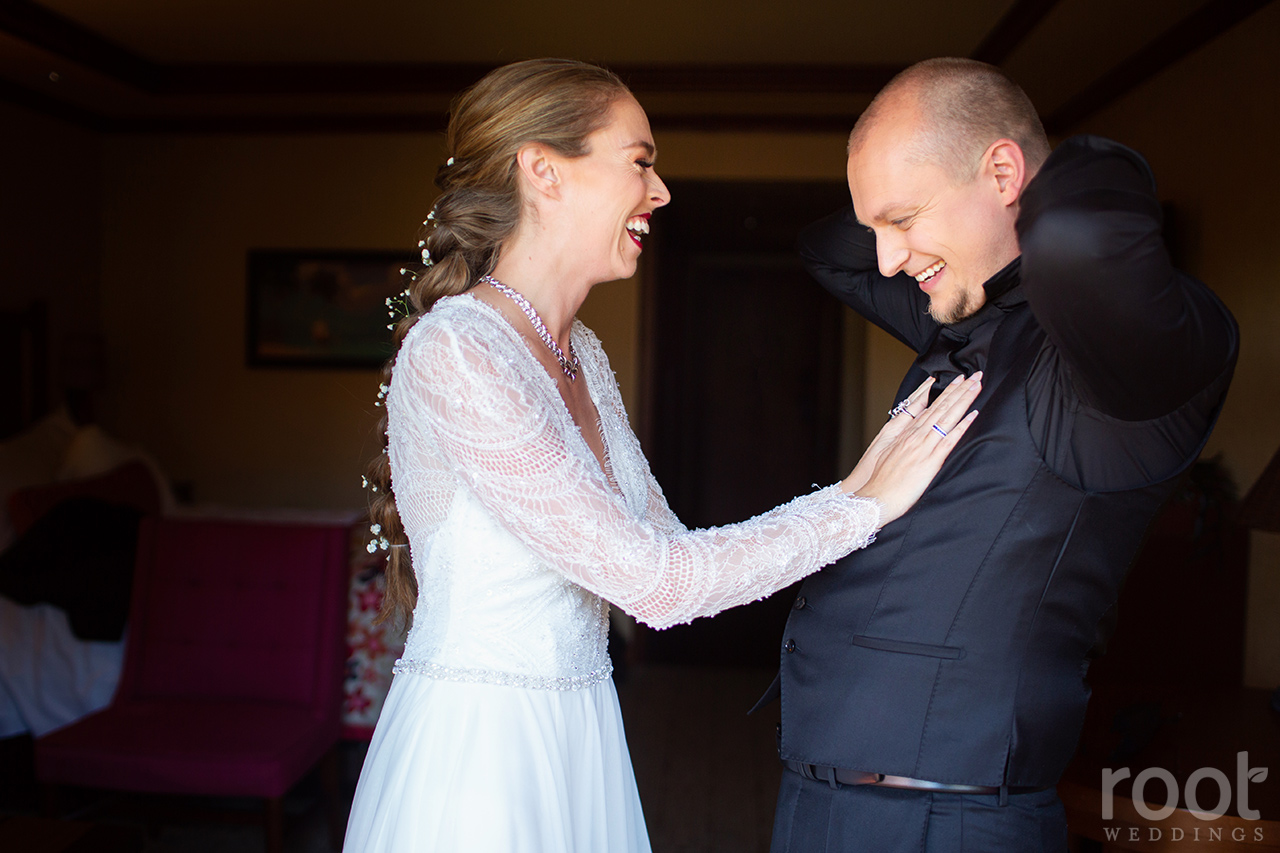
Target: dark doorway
point(743, 353)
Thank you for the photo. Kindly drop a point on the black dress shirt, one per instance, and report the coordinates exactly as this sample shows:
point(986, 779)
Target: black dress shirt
point(955, 648)
point(1131, 338)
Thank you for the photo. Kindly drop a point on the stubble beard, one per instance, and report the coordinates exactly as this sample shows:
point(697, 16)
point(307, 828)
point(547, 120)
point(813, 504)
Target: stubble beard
point(963, 306)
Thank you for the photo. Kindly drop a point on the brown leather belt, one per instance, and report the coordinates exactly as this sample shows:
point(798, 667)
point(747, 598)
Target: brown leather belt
point(841, 776)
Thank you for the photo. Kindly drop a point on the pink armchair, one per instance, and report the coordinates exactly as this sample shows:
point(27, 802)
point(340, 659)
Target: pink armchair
point(232, 682)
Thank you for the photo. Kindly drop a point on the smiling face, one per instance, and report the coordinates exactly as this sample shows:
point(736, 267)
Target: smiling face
point(949, 233)
point(613, 190)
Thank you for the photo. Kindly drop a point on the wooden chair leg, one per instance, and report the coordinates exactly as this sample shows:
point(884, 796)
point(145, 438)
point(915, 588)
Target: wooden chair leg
point(274, 824)
point(332, 797)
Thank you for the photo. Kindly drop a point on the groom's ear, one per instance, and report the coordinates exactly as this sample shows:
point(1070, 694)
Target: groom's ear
point(1005, 166)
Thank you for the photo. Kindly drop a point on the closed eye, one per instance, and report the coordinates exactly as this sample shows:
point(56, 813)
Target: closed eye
point(644, 164)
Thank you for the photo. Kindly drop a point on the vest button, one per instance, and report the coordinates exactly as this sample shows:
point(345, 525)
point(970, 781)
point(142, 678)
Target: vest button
point(800, 603)
point(790, 646)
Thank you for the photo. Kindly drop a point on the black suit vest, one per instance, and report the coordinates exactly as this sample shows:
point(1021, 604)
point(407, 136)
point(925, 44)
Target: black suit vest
point(954, 649)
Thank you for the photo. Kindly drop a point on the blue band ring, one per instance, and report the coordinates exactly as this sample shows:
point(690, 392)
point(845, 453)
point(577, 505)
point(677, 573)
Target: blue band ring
point(942, 432)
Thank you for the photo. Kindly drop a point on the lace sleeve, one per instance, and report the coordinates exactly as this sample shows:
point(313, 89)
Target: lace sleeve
point(657, 511)
point(508, 446)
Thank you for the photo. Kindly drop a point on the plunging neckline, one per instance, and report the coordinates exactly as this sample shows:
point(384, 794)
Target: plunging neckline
point(604, 463)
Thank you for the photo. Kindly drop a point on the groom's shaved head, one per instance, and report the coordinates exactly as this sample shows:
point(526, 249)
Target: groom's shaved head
point(960, 107)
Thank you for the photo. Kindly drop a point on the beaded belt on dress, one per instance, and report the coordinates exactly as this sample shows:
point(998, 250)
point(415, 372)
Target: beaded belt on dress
point(506, 679)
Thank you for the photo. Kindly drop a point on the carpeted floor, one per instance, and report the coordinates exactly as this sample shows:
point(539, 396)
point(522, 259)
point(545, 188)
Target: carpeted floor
point(708, 775)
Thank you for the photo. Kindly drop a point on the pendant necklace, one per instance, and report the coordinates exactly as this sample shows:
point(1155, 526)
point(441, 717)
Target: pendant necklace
point(568, 364)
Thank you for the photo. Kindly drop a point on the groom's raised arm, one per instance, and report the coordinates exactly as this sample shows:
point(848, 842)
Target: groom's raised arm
point(1140, 337)
point(841, 255)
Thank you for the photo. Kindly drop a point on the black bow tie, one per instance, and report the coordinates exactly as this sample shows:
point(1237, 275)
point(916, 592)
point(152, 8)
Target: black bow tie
point(951, 354)
point(945, 359)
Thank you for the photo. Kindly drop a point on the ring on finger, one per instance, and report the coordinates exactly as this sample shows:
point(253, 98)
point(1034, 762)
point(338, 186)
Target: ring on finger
point(942, 432)
point(900, 408)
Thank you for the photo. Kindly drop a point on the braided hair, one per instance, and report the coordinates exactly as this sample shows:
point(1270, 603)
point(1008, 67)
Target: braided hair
point(553, 102)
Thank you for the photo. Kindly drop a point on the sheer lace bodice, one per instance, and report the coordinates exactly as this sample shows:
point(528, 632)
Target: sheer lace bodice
point(517, 535)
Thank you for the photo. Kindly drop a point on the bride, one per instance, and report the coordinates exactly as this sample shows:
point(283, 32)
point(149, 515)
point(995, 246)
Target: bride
point(524, 499)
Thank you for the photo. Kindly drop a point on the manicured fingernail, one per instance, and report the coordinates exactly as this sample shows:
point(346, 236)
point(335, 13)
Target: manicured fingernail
point(959, 378)
point(977, 377)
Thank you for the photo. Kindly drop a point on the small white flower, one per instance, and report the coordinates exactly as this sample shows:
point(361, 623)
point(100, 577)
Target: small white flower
point(371, 547)
point(450, 162)
point(375, 529)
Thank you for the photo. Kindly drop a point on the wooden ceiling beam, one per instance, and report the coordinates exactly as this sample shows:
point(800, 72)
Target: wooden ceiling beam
point(851, 79)
point(63, 37)
point(1192, 32)
point(1012, 28)
point(422, 122)
point(449, 78)
point(321, 78)
point(45, 105)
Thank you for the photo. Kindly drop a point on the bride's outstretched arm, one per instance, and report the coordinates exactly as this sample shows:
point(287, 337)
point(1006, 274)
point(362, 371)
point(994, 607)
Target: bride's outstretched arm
point(513, 454)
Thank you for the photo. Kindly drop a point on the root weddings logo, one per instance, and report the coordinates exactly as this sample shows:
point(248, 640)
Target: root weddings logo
point(1191, 792)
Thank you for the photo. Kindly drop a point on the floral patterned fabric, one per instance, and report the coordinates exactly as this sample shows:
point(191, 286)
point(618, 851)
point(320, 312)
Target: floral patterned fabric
point(372, 649)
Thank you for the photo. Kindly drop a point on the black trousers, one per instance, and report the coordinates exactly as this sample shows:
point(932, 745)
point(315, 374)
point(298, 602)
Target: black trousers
point(813, 817)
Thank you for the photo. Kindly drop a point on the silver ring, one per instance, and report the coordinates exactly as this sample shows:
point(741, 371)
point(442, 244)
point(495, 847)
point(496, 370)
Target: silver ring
point(942, 432)
point(900, 409)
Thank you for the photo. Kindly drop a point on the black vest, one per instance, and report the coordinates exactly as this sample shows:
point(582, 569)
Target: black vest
point(954, 649)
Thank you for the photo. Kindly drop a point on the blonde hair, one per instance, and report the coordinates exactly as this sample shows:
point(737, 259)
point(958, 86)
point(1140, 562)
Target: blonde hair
point(555, 102)
point(963, 106)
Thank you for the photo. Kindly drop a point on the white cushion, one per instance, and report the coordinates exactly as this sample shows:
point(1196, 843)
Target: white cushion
point(32, 458)
point(93, 452)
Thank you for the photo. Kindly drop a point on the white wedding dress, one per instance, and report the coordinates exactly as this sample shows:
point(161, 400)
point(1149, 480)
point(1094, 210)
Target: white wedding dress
point(501, 732)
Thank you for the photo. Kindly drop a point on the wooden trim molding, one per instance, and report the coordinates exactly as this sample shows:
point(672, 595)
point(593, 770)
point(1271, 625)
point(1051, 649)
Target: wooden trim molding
point(1011, 30)
point(1191, 33)
point(49, 31)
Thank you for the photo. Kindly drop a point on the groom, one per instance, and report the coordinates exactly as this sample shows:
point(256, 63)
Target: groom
point(933, 686)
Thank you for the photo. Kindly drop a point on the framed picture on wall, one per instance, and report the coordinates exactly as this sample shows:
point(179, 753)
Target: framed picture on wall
point(321, 308)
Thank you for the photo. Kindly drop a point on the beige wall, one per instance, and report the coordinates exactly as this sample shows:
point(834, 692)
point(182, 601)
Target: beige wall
point(179, 214)
point(175, 216)
point(1208, 125)
point(779, 156)
point(49, 219)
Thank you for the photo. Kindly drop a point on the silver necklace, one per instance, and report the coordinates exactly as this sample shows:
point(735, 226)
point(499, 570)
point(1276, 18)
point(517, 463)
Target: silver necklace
point(568, 364)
